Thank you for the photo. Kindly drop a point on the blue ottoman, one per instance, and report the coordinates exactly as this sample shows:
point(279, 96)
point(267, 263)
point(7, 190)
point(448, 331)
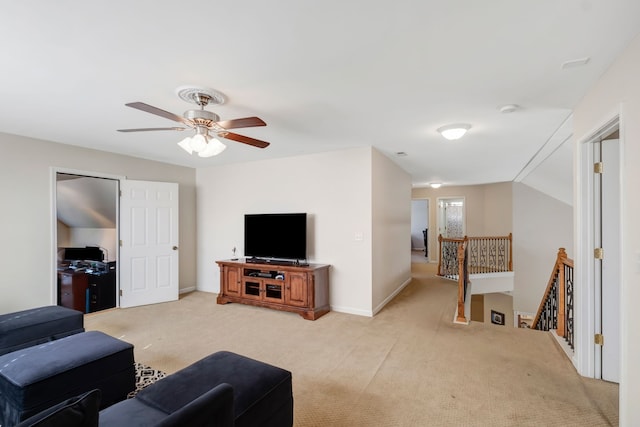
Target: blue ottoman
point(35, 378)
point(261, 396)
point(38, 325)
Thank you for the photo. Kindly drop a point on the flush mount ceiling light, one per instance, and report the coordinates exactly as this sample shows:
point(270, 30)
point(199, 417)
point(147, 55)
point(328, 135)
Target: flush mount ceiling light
point(436, 184)
point(575, 63)
point(508, 108)
point(453, 132)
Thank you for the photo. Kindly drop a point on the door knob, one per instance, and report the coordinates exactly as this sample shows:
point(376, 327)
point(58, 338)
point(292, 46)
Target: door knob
point(175, 248)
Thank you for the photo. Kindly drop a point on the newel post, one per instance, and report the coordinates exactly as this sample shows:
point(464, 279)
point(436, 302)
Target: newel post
point(461, 282)
point(562, 257)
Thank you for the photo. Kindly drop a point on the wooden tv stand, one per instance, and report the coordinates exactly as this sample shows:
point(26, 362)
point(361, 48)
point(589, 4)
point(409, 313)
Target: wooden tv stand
point(298, 289)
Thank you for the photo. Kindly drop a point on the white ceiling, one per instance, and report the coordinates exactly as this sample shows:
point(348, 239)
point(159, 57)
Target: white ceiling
point(324, 75)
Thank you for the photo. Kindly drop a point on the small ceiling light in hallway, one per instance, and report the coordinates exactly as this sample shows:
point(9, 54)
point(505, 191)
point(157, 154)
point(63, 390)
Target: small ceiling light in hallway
point(455, 131)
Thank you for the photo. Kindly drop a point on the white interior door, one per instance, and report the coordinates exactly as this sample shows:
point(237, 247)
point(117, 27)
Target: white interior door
point(610, 265)
point(149, 247)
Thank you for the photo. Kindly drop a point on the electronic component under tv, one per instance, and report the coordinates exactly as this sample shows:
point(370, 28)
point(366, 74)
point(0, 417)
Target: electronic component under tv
point(276, 236)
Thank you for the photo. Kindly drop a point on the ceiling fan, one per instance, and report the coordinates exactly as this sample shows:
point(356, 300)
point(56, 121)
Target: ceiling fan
point(207, 124)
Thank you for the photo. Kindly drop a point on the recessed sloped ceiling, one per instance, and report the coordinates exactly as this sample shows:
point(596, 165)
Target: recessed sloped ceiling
point(324, 75)
point(554, 176)
point(85, 202)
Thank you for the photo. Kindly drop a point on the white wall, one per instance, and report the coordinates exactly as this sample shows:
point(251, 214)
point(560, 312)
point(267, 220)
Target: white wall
point(333, 188)
point(541, 225)
point(419, 221)
point(26, 219)
point(617, 92)
point(391, 213)
point(498, 202)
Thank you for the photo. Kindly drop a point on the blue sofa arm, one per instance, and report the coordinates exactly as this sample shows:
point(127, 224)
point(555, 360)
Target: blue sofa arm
point(212, 409)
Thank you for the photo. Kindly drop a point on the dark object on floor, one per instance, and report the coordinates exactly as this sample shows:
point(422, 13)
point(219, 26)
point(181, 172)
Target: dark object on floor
point(223, 389)
point(425, 235)
point(38, 377)
point(27, 328)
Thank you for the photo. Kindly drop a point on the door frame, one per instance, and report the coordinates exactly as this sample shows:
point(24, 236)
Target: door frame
point(428, 200)
point(54, 226)
point(587, 318)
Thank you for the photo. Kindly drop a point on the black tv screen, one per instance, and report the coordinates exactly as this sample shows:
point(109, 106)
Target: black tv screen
point(276, 236)
point(90, 253)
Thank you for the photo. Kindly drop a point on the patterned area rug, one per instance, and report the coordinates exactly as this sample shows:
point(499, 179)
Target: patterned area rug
point(145, 376)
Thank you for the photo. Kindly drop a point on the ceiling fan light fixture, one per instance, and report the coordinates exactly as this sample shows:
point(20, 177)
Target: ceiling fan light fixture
point(198, 143)
point(202, 121)
point(455, 131)
point(214, 147)
point(185, 144)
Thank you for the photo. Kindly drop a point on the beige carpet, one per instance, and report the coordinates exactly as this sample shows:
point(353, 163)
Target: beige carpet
point(407, 366)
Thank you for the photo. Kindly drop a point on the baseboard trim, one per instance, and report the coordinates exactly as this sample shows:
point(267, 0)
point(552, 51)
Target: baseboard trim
point(388, 299)
point(187, 290)
point(351, 310)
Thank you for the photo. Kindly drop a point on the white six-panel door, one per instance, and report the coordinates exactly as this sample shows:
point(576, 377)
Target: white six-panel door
point(610, 265)
point(149, 242)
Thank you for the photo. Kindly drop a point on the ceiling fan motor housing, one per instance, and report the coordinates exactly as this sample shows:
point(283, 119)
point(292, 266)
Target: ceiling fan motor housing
point(202, 117)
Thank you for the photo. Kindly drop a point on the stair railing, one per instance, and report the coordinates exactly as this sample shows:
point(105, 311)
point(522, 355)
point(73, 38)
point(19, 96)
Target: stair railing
point(448, 265)
point(454, 264)
point(556, 308)
point(490, 254)
point(460, 257)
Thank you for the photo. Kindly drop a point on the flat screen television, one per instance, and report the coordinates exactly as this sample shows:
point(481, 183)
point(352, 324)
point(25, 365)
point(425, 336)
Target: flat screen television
point(276, 236)
point(89, 253)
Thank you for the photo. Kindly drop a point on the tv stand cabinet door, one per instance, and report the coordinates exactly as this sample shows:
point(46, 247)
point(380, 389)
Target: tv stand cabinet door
point(232, 281)
point(297, 290)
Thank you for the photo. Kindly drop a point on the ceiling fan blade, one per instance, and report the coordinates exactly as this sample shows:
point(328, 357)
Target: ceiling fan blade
point(246, 122)
point(158, 112)
point(244, 139)
point(147, 129)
